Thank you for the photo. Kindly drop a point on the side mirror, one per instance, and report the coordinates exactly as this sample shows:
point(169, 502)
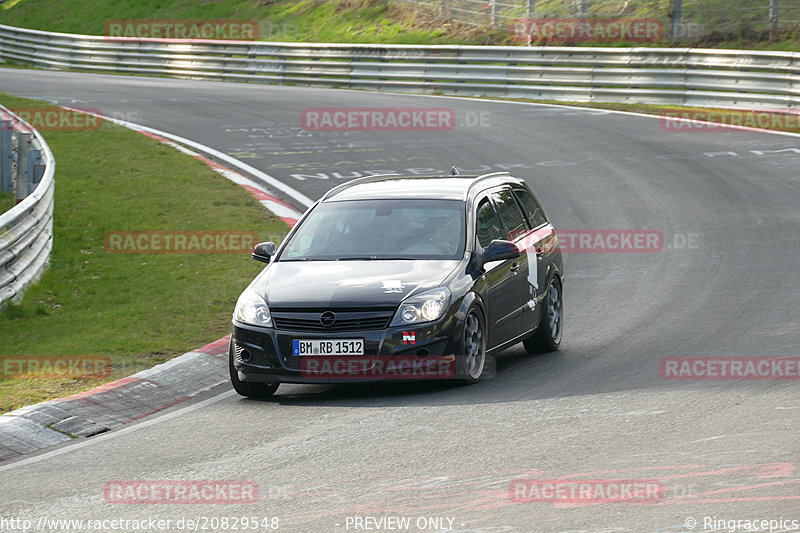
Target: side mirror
point(264, 251)
point(500, 251)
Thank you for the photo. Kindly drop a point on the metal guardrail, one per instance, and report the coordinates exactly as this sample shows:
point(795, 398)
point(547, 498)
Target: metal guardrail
point(26, 230)
point(668, 76)
point(684, 20)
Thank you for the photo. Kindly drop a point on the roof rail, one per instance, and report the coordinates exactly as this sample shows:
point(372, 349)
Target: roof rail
point(485, 177)
point(356, 181)
point(489, 175)
point(379, 177)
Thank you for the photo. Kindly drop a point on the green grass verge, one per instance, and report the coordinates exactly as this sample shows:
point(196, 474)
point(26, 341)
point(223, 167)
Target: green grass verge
point(730, 23)
point(139, 310)
point(351, 21)
point(6, 201)
point(788, 122)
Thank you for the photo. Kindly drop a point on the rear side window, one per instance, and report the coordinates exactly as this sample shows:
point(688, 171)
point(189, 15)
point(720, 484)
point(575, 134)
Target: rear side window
point(488, 227)
point(532, 208)
point(509, 213)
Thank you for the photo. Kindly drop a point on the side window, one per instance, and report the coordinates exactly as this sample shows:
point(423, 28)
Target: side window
point(488, 227)
point(509, 213)
point(532, 208)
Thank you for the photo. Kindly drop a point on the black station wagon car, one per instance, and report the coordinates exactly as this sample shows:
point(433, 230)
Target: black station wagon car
point(392, 278)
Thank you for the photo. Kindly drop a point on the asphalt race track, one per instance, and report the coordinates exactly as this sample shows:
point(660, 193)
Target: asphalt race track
point(726, 283)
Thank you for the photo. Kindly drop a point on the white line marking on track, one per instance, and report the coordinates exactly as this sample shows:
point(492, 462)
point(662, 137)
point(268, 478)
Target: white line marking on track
point(274, 182)
point(565, 106)
point(280, 208)
point(117, 433)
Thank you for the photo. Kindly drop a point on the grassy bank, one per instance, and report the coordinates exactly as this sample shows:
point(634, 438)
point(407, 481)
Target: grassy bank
point(710, 23)
point(789, 122)
point(674, 118)
point(353, 21)
point(6, 201)
point(138, 310)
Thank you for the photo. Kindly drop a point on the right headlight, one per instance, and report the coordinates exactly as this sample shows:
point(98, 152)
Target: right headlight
point(252, 309)
point(423, 307)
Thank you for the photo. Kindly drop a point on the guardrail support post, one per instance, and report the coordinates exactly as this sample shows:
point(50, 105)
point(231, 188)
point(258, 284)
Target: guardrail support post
point(773, 19)
point(35, 169)
point(21, 185)
point(677, 15)
point(6, 153)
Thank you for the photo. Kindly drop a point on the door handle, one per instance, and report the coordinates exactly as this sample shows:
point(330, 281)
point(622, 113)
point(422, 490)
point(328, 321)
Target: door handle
point(514, 267)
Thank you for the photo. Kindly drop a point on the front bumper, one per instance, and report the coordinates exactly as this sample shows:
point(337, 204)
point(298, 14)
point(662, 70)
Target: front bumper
point(410, 353)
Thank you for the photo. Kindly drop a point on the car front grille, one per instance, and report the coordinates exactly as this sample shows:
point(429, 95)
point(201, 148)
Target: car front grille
point(346, 319)
point(432, 349)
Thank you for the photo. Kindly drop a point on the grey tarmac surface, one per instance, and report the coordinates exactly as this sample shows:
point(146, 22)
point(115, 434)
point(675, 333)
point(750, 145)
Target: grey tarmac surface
point(725, 284)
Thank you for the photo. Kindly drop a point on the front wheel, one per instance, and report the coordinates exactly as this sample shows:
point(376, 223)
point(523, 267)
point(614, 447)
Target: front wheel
point(548, 335)
point(472, 359)
point(246, 388)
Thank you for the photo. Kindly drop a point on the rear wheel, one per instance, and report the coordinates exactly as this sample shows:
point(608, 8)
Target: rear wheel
point(548, 335)
point(246, 388)
point(472, 359)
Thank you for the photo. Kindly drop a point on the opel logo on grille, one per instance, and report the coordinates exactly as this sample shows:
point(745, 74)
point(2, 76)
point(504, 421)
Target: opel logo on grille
point(327, 319)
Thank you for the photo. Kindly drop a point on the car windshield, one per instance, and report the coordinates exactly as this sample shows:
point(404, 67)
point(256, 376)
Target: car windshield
point(380, 229)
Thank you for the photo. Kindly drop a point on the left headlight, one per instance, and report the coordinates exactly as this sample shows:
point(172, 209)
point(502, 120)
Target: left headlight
point(423, 307)
point(252, 309)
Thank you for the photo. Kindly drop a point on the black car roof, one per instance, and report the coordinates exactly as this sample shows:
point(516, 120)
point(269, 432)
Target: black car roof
point(439, 186)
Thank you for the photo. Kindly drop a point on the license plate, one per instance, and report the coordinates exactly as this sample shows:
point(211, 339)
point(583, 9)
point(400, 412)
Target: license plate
point(301, 347)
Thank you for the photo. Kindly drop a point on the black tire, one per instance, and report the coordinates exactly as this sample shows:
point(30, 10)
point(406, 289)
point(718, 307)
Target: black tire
point(471, 359)
point(246, 388)
point(551, 327)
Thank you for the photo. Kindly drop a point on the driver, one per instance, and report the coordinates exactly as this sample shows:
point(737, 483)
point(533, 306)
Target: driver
point(443, 233)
